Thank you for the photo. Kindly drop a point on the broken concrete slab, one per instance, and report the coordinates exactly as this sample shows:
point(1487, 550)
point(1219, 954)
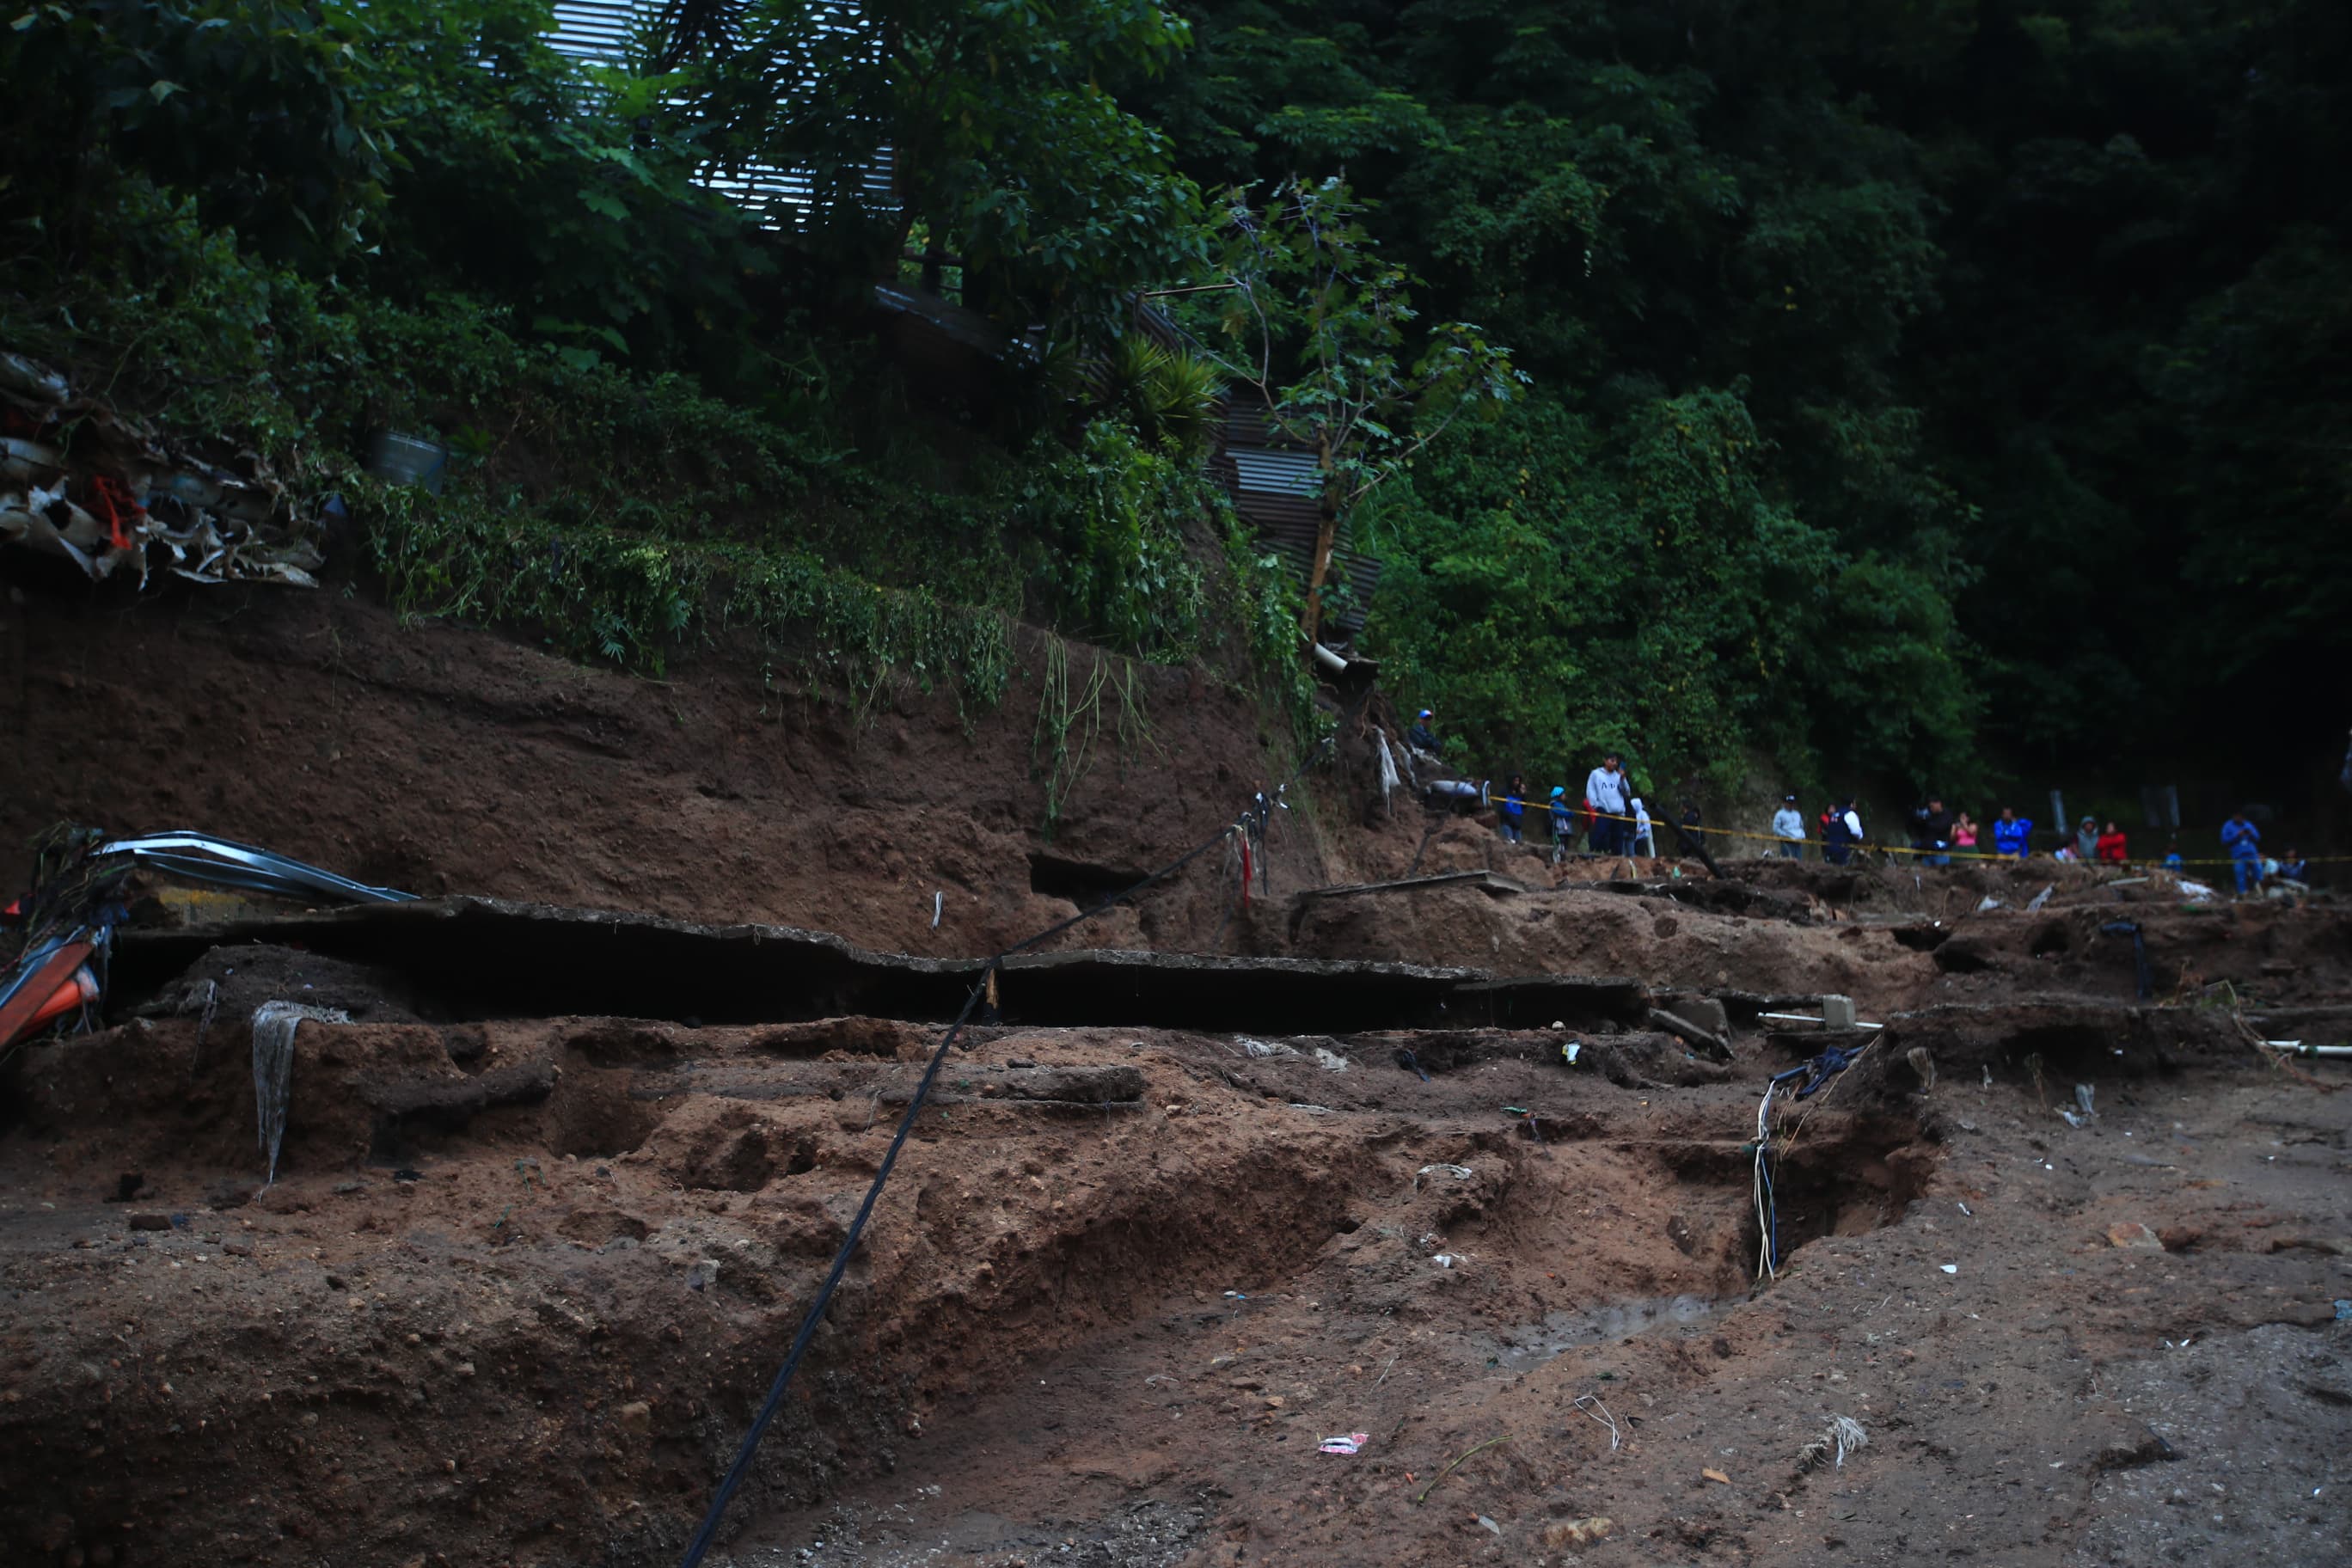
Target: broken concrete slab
point(473, 958)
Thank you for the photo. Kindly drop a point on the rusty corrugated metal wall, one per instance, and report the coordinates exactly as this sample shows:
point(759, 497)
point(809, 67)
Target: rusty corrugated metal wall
point(1276, 487)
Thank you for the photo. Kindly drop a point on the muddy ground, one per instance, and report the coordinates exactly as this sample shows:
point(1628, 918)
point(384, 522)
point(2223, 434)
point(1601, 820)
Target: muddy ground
point(522, 1279)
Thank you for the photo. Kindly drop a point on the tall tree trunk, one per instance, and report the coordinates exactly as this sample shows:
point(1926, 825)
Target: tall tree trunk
point(1326, 529)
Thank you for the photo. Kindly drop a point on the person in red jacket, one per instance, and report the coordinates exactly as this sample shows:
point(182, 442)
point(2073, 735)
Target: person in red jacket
point(2111, 844)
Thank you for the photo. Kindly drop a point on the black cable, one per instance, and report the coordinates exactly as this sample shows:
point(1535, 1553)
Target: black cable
point(1436, 820)
point(717, 1512)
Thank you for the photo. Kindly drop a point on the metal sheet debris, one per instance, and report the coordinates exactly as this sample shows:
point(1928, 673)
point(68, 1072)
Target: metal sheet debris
point(59, 967)
point(111, 494)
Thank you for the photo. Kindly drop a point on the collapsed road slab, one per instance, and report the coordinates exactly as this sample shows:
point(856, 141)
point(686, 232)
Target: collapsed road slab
point(472, 958)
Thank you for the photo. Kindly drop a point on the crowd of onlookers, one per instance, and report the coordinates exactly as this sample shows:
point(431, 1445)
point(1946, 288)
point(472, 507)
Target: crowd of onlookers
point(1937, 832)
point(1613, 819)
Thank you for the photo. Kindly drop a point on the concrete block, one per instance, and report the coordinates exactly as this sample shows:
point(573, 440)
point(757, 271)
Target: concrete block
point(1706, 1011)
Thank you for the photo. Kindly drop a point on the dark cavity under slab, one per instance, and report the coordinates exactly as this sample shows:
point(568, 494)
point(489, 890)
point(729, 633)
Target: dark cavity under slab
point(471, 958)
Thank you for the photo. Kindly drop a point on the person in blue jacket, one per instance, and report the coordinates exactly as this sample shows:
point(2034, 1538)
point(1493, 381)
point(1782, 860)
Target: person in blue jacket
point(2012, 835)
point(1513, 809)
point(1563, 824)
point(2243, 840)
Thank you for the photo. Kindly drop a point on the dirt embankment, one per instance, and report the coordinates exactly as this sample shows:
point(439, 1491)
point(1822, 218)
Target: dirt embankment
point(441, 758)
point(523, 1277)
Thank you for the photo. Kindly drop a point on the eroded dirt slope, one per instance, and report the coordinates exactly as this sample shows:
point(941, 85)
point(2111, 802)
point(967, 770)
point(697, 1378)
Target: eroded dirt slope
point(520, 1283)
point(442, 759)
point(521, 1279)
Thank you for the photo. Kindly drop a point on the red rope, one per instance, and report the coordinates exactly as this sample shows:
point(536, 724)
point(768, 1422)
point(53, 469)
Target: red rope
point(110, 499)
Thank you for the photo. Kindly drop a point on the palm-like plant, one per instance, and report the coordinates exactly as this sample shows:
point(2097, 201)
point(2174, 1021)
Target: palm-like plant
point(1171, 395)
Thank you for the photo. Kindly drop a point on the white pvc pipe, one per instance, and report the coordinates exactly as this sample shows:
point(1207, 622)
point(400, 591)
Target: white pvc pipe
point(1329, 660)
point(2297, 1047)
point(1809, 1018)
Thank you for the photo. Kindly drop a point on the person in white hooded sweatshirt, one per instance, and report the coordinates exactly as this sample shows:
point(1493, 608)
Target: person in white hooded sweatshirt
point(1606, 792)
point(1644, 845)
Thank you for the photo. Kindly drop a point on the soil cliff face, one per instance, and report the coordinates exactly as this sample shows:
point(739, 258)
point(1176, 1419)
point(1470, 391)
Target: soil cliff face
point(1493, 1279)
point(443, 759)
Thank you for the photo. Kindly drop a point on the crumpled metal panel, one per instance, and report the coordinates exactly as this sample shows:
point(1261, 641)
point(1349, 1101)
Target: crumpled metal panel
point(116, 497)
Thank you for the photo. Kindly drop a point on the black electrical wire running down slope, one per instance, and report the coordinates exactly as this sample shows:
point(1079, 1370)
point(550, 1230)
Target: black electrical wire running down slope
point(711, 1520)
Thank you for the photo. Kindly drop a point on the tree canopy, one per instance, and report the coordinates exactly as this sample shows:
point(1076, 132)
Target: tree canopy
point(1921, 388)
point(1917, 391)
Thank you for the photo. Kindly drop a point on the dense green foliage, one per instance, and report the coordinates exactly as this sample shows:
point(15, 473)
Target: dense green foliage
point(291, 225)
point(1319, 336)
point(1002, 140)
point(1916, 390)
point(1916, 382)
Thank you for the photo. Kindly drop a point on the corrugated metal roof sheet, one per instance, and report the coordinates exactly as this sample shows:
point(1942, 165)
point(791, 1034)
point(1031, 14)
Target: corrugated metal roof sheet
point(950, 320)
point(1247, 424)
point(600, 32)
point(1277, 473)
point(1276, 484)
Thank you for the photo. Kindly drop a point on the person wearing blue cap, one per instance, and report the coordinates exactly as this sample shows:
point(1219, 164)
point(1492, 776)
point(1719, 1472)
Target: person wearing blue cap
point(1420, 737)
point(1563, 824)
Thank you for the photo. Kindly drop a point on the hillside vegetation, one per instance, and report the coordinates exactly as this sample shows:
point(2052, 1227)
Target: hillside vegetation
point(1919, 391)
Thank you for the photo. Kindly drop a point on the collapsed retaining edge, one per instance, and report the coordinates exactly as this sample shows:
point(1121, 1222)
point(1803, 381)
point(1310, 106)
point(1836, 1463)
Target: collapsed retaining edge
point(483, 958)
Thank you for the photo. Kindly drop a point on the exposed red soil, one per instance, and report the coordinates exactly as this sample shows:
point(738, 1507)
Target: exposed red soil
point(438, 759)
point(521, 1282)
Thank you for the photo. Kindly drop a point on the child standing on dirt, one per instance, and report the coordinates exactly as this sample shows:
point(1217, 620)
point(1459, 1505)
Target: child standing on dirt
point(1563, 824)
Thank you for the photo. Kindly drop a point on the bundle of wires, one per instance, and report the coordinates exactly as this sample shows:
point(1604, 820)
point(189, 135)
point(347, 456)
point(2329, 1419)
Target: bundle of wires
point(1767, 1217)
point(1817, 1073)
